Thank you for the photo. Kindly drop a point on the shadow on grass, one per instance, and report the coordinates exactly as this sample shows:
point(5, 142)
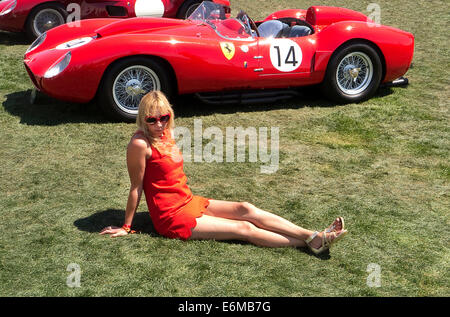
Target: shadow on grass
point(386, 91)
point(142, 223)
point(322, 256)
point(114, 217)
point(12, 38)
point(310, 96)
point(49, 111)
point(188, 106)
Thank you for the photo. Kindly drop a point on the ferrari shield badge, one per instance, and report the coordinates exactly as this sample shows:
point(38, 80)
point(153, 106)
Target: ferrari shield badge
point(227, 49)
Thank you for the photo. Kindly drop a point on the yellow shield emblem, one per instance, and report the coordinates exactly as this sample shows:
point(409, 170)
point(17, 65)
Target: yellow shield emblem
point(227, 49)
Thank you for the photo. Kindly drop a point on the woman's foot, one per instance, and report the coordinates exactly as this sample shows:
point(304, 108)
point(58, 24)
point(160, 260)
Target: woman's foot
point(337, 225)
point(319, 242)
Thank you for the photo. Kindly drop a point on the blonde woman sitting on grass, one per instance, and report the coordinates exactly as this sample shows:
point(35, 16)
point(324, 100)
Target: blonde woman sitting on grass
point(155, 167)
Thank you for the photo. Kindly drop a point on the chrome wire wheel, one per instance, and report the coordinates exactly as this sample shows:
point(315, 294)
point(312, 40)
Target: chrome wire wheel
point(131, 85)
point(354, 73)
point(47, 19)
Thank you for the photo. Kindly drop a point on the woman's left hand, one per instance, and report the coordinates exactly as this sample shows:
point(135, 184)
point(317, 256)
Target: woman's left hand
point(114, 231)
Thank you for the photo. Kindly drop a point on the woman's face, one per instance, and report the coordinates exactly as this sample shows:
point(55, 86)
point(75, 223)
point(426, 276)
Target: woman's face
point(157, 123)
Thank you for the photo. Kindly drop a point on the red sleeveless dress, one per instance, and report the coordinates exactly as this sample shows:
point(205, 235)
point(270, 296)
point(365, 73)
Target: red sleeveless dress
point(172, 206)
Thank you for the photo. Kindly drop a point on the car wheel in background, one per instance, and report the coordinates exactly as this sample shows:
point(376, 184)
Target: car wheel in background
point(187, 8)
point(353, 73)
point(43, 18)
point(126, 82)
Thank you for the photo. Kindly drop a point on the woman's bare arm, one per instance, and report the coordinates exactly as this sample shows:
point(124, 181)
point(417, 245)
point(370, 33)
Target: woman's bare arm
point(137, 153)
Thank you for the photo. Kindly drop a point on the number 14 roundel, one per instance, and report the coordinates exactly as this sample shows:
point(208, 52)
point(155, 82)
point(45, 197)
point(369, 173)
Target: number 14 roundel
point(285, 55)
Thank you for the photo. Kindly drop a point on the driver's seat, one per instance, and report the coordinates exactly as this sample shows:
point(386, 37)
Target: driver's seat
point(272, 28)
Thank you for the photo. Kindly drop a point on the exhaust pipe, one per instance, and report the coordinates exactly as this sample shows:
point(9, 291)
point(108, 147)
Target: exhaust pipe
point(402, 81)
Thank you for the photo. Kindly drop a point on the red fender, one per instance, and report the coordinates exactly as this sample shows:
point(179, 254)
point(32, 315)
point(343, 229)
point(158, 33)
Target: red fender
point(396, 54)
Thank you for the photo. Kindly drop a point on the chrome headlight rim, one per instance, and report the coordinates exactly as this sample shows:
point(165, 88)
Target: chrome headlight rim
point(59, 66)
point(37, 42)
point(7, 9)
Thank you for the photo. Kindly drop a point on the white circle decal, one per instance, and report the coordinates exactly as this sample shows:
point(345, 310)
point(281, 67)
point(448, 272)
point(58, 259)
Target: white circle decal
point(285, 55)
point(149, 8)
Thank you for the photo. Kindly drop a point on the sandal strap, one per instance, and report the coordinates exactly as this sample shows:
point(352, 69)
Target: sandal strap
point(327, 241)
point(311, 237)
point(330, 229)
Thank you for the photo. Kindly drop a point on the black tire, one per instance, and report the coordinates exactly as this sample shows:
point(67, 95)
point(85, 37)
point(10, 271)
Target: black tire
point(34, 28)
point(116, 86)
point(187, 8)
point(357, 81)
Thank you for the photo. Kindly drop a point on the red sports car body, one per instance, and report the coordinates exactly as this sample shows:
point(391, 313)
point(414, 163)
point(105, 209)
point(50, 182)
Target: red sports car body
point(212, 55)
point(37, 16)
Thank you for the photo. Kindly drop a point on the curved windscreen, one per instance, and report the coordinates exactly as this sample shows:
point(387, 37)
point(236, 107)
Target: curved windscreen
point(208, 11)
point(215, 15)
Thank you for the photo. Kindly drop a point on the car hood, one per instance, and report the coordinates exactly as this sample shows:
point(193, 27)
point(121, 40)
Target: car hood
point(140, 25)
point(104, 28)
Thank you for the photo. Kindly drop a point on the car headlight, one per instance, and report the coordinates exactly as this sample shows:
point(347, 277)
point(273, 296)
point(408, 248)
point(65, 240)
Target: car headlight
point(9, 7)
point(75, 43)
point(59, 66)
point(37, 42)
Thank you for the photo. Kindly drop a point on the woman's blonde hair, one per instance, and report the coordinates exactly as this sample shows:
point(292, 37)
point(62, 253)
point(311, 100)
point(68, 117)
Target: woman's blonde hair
point(152, 104)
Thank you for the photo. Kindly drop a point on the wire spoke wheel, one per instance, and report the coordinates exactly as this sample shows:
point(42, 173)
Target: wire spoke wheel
point(354, 73)
point(47, 19)
point(131, 85)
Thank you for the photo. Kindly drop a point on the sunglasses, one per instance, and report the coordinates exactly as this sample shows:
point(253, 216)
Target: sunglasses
point(163, 119)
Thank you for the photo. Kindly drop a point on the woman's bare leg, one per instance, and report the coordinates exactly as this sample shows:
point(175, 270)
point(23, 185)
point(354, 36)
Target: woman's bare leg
point(218, 228)
point(260, 218)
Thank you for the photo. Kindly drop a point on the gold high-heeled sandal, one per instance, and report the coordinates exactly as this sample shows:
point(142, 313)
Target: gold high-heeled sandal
point(326, 240)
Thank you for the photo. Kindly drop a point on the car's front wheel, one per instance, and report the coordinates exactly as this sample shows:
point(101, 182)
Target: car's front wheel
point(353, 73)
point(126, 82)
point(43, 18)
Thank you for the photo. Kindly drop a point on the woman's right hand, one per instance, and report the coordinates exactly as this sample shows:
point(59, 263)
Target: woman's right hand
point(114, 231)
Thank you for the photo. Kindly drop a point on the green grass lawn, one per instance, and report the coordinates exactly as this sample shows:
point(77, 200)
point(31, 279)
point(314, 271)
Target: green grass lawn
point(382, 164)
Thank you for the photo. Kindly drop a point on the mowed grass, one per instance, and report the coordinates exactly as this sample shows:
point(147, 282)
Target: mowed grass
point(382, 164)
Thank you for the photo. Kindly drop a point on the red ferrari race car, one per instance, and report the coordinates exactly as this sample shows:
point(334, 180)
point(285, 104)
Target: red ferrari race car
point(218, 58)
point(37, 16)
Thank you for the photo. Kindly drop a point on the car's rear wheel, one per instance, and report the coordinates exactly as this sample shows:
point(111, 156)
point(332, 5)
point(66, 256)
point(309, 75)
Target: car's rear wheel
point(127, 81)
point(187, 8)
point(353, 73)
point(43, 18)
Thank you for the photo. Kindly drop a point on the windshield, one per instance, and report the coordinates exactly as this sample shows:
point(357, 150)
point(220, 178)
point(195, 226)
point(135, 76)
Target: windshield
point(215, 15)
point(208, 11)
